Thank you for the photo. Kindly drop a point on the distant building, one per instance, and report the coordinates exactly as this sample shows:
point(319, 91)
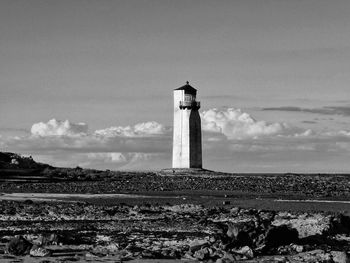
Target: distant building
point(187, 135)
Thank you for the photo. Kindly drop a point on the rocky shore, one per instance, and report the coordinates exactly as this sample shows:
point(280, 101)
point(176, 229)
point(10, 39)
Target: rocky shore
point(169, 216)
point(23, 174)
point(314, 186)
point(82, 232)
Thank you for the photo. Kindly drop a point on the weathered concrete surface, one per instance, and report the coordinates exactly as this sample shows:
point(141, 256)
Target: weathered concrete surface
point(187, 135)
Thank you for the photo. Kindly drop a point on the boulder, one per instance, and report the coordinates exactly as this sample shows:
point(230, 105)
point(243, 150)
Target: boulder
point(266, 217)
point(306, 224)
point(18, 246)
point(240, 233)
point(341, 224)
point(280, 235)
point(339, 257)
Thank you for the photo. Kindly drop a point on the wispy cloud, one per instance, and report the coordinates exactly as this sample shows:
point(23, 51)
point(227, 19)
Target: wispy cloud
point(327, 110)
point(138, 130)
point(58, 128)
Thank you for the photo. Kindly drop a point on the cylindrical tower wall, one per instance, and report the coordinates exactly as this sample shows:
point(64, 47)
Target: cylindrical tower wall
point(187, 135)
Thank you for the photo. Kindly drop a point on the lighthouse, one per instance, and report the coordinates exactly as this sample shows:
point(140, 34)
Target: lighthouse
point(187, 134)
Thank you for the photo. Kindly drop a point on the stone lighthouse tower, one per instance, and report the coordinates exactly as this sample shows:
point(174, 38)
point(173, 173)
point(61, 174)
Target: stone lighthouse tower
point(187, 137)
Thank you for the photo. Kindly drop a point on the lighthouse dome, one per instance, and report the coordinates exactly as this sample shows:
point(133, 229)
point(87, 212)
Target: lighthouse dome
point(188, 89)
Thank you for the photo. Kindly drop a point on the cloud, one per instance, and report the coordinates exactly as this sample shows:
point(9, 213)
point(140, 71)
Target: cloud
point(232, 141)
point(138, 130)
point(309, 122)
point(64, 143)
point(328, 110)
point(58, 128)
point(118, 157)
point(235, 124)
point(109, 157)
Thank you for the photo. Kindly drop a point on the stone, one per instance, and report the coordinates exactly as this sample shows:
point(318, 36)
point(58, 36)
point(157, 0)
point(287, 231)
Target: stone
point(306, 224)
point(240, 232)
point(245, 251)
point(341, 224)
point(112, 247)
point(280, 259)
point(89, 255)
point(48, 239)
point(224, 260)
point(18, 246)
point(202, 253)
point(212, 239)
point(340, 257)
point(36, 251)
point(234, 210)
point(197, 244)
point(317, 255)
point(266, 215)
point(228, 257)
point(297, 248)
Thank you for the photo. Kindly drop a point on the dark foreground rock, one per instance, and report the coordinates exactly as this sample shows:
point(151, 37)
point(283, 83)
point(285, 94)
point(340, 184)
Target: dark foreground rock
point(178, 232)
point(18, 246)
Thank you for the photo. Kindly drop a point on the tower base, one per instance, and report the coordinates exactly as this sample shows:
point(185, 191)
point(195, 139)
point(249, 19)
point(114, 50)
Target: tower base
point(187, 172)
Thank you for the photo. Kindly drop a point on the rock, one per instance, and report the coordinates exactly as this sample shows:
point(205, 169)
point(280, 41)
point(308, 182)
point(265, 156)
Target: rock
point(234, 210)
point(317, 255)
point(228, 257)
point(239, 232)
point(112, 247)
point(47, 239)
point(340, 257)
point(89, 255)
point(188, 256)
point(297, 248)
point(212, 239)
point(341, 224)
point(18, 246)
point(280, 235)
point(245, 251)
point(202, 253)
point(39, 252)
point(266, 216)
point(197, 244)
point(306, 224)
point(279, 259)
